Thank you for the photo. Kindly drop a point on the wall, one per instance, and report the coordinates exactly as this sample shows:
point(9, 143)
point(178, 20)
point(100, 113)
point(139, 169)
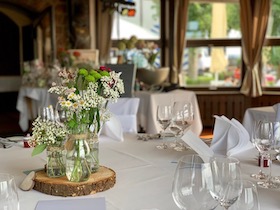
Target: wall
point(230, 104)
point(61, 16)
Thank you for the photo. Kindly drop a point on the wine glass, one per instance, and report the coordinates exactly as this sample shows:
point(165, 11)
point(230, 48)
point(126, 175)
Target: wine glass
point(8, 193)
point(263, 137)
point(191, 184)
point(225, 171)
point(260, 174)
point(164, 116)
point(47, 113)
point(182, 119)
point(276, 147)
point(248, 199)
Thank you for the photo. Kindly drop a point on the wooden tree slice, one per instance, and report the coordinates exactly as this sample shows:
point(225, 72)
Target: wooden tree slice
point(103, 179)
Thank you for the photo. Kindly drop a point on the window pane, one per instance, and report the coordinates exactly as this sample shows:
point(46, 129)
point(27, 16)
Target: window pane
point(273, 29)
point(213, 20)
point(144, 25)
point(215, 66)
point(271, 66)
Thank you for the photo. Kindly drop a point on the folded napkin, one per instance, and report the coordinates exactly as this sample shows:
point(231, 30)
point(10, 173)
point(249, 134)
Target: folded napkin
point(229, 137)
point(198, 145)
point(113, 129)
point(276, 108)
point(5, 143)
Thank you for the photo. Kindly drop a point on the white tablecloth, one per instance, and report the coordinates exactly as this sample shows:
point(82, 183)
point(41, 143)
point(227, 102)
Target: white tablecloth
point(257, 113)
point(150, 100)
point(29, 100)
point(144, 175)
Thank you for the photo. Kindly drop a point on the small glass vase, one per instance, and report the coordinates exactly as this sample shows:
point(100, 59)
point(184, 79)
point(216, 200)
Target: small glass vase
point(55, 161)
point(78, 158)
point(93, 142)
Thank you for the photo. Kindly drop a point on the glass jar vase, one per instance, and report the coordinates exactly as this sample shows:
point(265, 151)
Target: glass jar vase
point(93, 142)
point(78, 158)
point(55, 161)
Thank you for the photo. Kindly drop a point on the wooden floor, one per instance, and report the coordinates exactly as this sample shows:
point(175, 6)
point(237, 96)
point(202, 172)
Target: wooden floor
point(9, 126)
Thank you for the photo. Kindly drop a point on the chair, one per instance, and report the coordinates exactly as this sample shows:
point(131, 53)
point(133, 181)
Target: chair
point(128, 75)
point(125, 109)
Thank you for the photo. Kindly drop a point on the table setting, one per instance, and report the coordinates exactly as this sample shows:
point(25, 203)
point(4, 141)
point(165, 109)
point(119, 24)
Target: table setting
point(144, 169)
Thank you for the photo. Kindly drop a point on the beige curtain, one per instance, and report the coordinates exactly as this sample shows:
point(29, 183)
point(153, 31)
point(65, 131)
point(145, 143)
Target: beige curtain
point(253, 19)
point(104, 30)
point(180, 23)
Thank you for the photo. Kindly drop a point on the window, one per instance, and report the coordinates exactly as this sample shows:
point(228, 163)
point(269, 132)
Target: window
point(212, 56)
point(144, 26)
point(271, 50)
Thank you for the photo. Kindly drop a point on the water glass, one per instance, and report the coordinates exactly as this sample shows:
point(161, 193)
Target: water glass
point(225, 171)
point(8, 193)
point(191, 184)
point(249, 199)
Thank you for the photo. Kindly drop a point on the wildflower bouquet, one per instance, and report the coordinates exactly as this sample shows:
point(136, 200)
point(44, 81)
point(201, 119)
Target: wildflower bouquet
point(84, 95)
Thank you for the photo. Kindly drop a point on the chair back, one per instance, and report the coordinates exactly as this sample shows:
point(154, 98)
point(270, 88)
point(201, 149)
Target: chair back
point(126, 109)
point(128, 75)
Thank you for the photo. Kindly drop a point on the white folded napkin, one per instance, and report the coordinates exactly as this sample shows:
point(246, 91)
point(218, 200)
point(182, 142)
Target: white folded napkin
point(199, 146)
point(276, 108)
point(113, 129)
point(229, 137)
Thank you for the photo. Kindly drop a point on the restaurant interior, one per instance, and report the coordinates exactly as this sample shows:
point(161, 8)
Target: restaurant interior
point(42, 29)
point(222, 56)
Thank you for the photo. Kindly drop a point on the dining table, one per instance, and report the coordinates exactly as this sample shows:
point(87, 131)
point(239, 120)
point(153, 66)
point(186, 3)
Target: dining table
point(149, 101)
point(144, 174)
point(257, 113)
point(29, 100)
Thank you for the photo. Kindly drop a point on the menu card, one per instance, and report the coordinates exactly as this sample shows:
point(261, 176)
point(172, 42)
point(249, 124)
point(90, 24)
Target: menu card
point(72, 204)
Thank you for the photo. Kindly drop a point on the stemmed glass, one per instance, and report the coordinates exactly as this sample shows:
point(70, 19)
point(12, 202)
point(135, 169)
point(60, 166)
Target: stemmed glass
point(8, 193)
point(249, 199)
point(182, 118)
point(164, 117)
point(260, 174)
point(48, 113)
point(263, 137)
point(226, 187)
point(191, 184)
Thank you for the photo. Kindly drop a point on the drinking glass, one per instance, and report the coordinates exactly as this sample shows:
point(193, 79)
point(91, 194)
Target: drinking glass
point(8, 193)
point(182, 118)
point(276, 148)
point(225, 171)
point(264, 140)
point(47, 113)
point(260, 174)
point(164, 116)
point(248, 199)
point(191, 184)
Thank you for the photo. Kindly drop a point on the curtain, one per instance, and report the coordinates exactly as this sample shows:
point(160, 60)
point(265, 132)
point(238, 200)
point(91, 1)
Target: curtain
point(253, 19)
point(180, 25)
point(104, 30)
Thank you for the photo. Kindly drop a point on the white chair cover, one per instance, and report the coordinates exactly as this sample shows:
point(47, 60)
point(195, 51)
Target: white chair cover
point(125, 109)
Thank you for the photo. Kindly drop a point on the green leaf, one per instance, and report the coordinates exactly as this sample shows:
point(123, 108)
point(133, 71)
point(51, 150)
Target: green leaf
point(38, 149)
